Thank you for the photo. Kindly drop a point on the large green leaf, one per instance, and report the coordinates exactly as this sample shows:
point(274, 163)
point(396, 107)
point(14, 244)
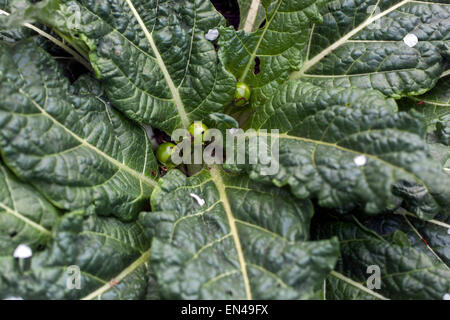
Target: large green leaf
point(112, 258)
point(405, 272)
point(277, 46)
point(435, 108)
point(15, 27)
point(347, 146)
point(360, 44)
point(221, 236)
point(431, 237)
point(152, 56)
point(26, 217)
point(441, 153)
point(72, 146)
point(7, 33)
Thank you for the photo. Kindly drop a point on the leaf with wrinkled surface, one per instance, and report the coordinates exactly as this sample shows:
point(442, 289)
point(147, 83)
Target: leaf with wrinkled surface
point(26, 217)
point(337, 289)
point(348, 146)
point(435, 108)
point(7, 33)
point(439, 152)
point(361, 44)
point(406, 273)
point(72, 146)
point(243, 233)
point(277, 46)
point(247, 241)
point(434, 233)
point(152, 57)
point(112, 258)
point(13, 33)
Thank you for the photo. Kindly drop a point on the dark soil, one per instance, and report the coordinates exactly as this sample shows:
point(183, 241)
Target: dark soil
point(229, 9)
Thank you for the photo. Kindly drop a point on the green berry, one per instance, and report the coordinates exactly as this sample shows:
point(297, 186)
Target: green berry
point(198, 130)
point(242, 94)
point(164, 153)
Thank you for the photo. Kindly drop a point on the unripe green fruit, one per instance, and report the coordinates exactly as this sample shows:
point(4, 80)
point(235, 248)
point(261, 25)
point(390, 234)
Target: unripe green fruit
point(242, 94)
point(198, 130)
point(164, 152)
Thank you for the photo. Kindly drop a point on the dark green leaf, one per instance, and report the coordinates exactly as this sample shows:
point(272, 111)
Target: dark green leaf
point(112, 258)
point(422, 235)
point(72, 146)
point(277, 47)
point(337, 289)
point(153, 58)
point(406, 272)
point(244, 241)
point(349, 146)
point(26, 217)
point(435, 108)
point(360, 44)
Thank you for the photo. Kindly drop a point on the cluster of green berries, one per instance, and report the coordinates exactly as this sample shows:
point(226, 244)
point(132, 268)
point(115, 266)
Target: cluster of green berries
point(197, 130)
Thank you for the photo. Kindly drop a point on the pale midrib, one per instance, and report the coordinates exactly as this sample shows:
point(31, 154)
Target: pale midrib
point(26, 220)
point(426, 244)
point(433, 221)
point(173, 89)
point(253, 55)
point(310, 41)
point(251, 16)
point(127, 271)
point(438, 223)
point(357, 285)
point(341, 41)
point(217, 179)
point(443, 104)
point(118, 164)
point(445, 73)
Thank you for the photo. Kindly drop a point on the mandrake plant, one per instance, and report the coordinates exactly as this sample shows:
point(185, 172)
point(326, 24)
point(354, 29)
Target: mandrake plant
point(359, 208)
